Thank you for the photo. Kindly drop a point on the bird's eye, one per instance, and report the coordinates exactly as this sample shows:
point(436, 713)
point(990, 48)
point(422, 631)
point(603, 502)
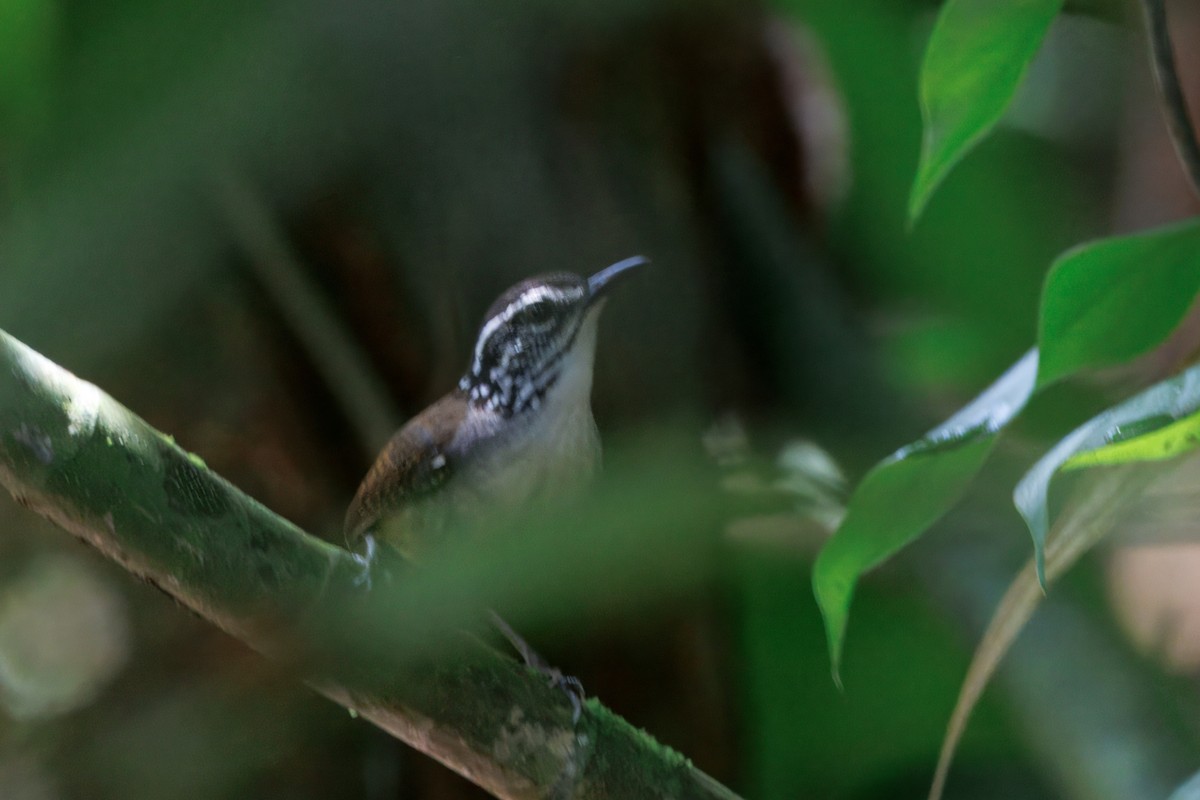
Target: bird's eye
point(538, 313)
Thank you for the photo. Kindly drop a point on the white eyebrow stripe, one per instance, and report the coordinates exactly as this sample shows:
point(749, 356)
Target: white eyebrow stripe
point(524, 301)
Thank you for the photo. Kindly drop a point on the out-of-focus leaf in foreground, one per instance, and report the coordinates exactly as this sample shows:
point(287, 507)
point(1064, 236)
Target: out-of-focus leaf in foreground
point(1108, 301)
point(909, 491)
point(976, 58)
point(1156, 424)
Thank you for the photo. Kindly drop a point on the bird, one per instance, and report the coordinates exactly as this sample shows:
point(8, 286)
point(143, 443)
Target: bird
point(516, 431)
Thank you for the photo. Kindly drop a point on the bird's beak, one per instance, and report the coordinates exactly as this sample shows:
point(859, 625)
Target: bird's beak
point(600, 283)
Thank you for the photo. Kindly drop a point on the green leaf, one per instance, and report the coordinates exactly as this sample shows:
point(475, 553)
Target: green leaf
point(1111, 300)
point(1132, 431)
point(910, 490)
point(1170, 440)
point(976, 58)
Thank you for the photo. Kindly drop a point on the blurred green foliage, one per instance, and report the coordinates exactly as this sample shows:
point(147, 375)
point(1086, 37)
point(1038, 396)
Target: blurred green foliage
point(974, 63)
point(418, 158)
point(807, 738)
point(29, 44)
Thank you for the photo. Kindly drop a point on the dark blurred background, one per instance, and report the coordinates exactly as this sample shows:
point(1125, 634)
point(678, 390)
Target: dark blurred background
point(270, 229)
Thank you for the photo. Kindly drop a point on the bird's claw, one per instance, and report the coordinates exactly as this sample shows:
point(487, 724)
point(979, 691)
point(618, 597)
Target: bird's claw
point(366, 563)
point(572, 687)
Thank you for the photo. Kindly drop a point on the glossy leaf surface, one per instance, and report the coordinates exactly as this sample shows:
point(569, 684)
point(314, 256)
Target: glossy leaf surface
point(1111, 300)
point(1171, 440)
point(909, 491)
point(1131, 430)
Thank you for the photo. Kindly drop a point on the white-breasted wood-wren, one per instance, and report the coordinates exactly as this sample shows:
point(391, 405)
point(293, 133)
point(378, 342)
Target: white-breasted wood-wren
point(516, 430)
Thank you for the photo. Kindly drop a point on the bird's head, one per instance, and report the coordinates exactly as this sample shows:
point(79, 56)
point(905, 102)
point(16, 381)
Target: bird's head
point(537, 332)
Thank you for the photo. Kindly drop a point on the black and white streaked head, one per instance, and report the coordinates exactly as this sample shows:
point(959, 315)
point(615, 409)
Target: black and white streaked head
point(539, 339)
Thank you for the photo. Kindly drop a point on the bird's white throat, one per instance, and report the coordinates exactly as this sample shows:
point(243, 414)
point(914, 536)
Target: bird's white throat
point(553, 451)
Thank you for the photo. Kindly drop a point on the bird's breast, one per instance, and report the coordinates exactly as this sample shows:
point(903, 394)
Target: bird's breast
point(549, 460)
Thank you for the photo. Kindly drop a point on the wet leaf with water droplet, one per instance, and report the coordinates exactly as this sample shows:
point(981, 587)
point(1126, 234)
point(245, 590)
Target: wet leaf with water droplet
point(909, 491)
point(1159, 423)
point(1165, 439)
point(1132, 430)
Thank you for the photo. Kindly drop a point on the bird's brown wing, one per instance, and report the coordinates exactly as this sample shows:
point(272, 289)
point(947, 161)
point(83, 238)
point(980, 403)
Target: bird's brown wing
point(414, 464)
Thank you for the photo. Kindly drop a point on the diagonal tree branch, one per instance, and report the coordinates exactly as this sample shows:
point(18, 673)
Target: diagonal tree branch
point(1179, 122)
point(74, 455)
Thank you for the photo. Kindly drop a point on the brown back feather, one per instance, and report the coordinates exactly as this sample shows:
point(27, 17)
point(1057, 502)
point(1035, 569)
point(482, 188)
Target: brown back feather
point(415, 462)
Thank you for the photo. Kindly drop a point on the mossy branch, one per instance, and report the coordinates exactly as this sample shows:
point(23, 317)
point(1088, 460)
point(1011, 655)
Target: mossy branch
point(74, 455)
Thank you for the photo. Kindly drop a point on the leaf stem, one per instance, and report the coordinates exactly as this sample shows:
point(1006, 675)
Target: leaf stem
point(1179, 122)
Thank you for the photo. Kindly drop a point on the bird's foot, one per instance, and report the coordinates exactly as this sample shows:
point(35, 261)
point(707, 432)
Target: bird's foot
point(365, 562)
point(376, 564)
point(571, 686)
